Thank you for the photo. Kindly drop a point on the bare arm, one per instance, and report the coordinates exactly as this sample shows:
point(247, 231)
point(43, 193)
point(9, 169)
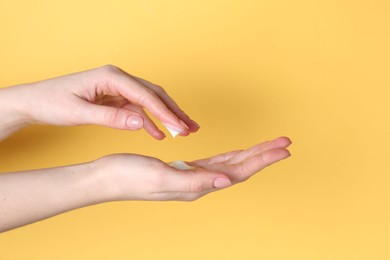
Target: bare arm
point(30, 196)
point(111, 97)
point(105, 96)
point(12, 117)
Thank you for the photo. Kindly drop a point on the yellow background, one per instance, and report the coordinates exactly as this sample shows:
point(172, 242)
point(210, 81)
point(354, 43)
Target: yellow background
point(247, 71)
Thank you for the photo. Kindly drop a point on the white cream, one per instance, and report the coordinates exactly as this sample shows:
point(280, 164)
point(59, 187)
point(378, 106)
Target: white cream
point(180, 165)
point(172, 131)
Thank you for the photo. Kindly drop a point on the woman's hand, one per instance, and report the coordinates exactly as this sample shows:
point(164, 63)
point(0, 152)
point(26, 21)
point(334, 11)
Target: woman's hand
point(30, 196)
point(105, 96)
point(240, 165)
point(136, 177)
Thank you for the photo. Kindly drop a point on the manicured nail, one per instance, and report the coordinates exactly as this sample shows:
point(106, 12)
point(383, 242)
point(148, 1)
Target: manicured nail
point(162, 135)
point(183, 124)
point(222, 183)
point(135, 122)
point(195, 123)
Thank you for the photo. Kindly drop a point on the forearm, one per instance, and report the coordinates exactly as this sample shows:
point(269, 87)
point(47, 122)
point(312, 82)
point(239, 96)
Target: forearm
point(30, 196)
point(12, 114)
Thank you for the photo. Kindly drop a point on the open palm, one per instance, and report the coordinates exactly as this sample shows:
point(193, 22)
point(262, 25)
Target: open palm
point(239, 165)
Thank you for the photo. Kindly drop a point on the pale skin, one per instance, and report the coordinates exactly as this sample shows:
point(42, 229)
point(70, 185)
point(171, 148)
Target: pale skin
point(110, 97)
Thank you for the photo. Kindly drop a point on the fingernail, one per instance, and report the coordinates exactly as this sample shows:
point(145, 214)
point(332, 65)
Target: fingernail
point(195, 123)
point(222, 183)
point(183, 124)
point(162, 135)
point(135, 122)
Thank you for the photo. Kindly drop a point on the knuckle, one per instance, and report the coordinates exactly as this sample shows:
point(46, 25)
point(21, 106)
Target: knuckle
point(196, 185)
point(160, 89)
point(110, 69)
point(148, 97)
point(242, 172)
point(152, 94)
point(113, 117)
point(159, 114)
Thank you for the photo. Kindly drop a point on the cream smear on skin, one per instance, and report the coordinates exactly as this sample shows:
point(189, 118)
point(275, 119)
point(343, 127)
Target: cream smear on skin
point(180, 165)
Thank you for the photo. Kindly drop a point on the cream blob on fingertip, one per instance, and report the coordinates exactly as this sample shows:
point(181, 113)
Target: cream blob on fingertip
point(180, 165)
point(171, 130)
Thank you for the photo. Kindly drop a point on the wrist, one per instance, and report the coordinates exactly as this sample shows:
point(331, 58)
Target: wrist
point(102, 185)
point(91, 184)
point(79, 185)
point(13, 113)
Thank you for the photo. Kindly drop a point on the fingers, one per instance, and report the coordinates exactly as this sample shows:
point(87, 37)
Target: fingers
point(127, 117)
point(170, 103)
point(254, 164)
point(113, 117)
point(241, 164)
point(280, 142)
point(194, 181)
point(237, 156)
point(149, 125)
point(245, 169)
point(121, 102)
point(216, 159)
point(143, 96)
point(237, 165)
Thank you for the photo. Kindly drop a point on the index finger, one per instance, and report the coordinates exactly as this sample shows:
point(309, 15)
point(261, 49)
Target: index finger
point(169, 102)
point(135, 92)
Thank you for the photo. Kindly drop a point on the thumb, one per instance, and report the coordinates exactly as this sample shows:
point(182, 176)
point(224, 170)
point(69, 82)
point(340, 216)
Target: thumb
point(114, 117)
point(196, 181)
